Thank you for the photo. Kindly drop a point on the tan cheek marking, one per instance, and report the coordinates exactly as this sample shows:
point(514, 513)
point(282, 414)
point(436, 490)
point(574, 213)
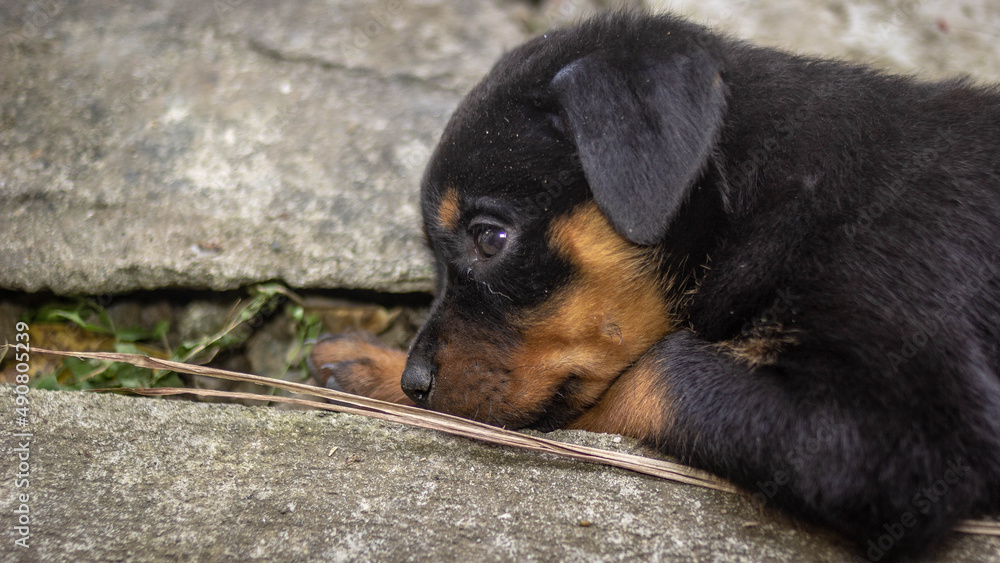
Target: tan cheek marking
point(448, 209)
point(604, 320)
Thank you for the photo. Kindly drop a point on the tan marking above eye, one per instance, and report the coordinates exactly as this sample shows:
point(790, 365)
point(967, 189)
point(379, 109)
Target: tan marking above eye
point(448, 209)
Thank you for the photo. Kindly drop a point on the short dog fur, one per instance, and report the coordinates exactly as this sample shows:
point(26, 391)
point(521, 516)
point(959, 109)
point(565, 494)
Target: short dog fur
point(780, 269)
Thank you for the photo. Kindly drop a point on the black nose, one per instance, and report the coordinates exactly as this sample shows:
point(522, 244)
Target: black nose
point(417, 382)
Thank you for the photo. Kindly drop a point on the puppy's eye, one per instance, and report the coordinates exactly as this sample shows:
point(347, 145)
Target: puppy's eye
point(489, 240)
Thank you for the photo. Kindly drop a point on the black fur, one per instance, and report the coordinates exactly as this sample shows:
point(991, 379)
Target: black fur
point(847, 217)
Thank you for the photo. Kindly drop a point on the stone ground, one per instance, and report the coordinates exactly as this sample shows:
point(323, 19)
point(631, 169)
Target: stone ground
point(196, 145)
point(217, 144)
point(129, 479)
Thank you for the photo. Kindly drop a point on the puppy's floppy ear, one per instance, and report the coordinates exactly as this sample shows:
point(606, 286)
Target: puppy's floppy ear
point(644, 130)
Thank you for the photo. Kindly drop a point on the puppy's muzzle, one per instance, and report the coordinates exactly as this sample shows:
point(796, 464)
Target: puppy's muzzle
point(418, 381)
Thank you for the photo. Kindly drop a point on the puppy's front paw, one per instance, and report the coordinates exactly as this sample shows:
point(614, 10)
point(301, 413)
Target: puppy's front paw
point(356, 362)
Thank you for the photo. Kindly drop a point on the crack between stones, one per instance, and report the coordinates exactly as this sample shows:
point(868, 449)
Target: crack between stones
point(276, 54)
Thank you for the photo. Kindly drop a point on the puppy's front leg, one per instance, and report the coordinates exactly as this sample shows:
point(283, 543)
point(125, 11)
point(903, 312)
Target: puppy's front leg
point(810, 433)
point(357, 363)
point(637, 404)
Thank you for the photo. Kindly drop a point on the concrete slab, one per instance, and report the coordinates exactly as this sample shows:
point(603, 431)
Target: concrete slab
point(121, 478)
point(933, 38)
point(216, 144)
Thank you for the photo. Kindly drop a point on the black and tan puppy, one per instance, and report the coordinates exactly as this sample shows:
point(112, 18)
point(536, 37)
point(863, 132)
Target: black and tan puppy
point(780, 269)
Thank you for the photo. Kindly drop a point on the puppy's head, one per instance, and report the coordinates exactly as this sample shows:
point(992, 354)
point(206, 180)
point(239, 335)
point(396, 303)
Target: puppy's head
point(550, 204)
